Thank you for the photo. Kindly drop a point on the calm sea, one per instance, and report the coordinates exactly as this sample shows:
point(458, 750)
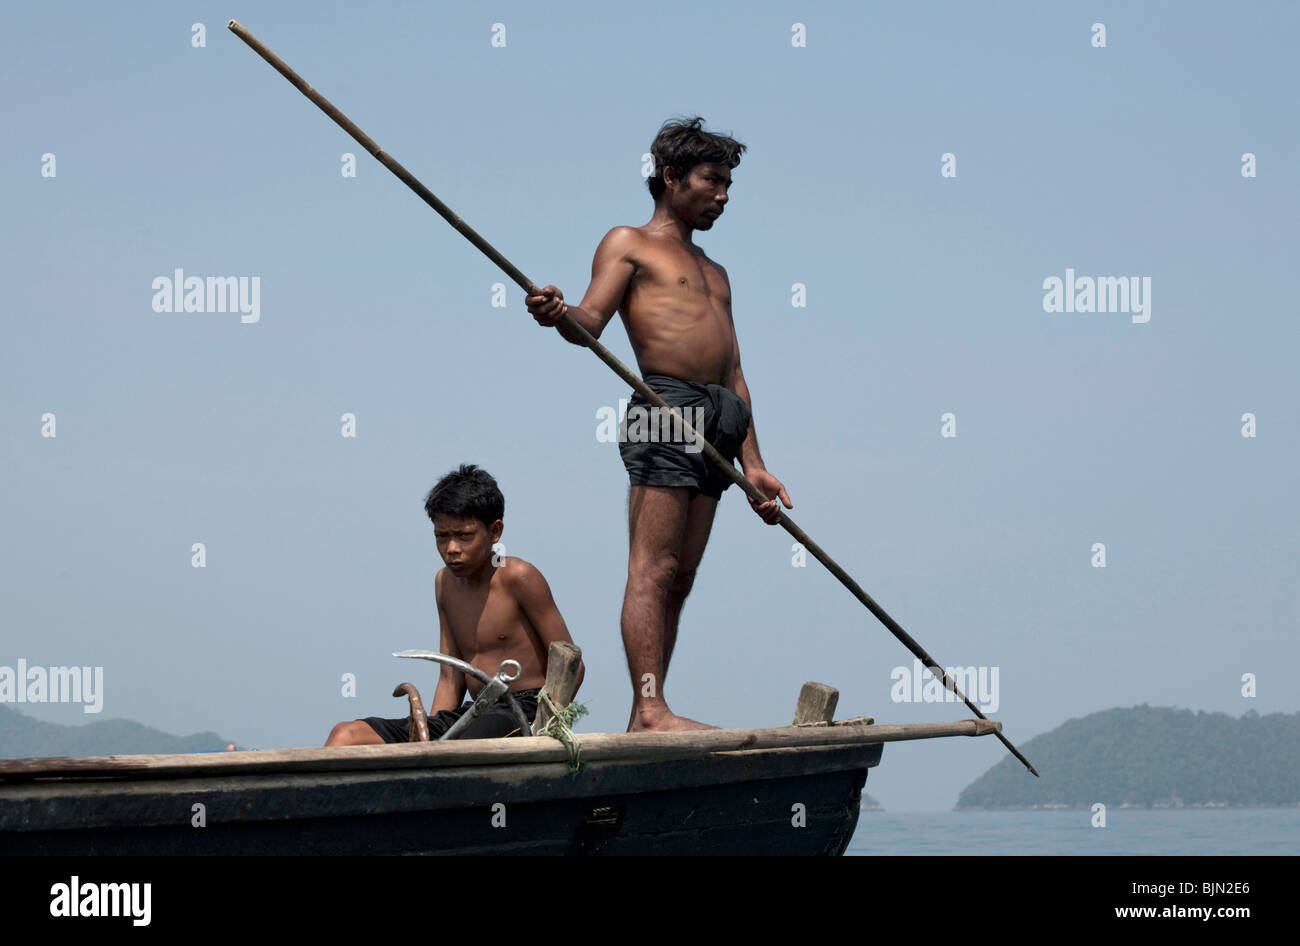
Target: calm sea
point(1128, 831)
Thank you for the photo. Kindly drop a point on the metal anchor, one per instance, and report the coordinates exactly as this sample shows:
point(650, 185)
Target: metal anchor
point(493, 690)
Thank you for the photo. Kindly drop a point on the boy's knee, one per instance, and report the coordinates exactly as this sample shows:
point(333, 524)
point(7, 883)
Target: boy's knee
point(338, 735)
point(352, 733)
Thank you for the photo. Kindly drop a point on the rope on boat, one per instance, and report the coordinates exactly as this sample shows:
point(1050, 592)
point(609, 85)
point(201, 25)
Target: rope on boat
point(560, 726)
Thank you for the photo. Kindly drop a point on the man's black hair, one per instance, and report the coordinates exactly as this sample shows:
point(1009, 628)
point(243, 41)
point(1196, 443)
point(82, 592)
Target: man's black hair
point(469, 492)
point(681, 144)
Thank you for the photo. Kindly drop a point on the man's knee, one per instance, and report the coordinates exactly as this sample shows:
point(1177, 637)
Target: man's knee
point(652, 574)
point(682, 582)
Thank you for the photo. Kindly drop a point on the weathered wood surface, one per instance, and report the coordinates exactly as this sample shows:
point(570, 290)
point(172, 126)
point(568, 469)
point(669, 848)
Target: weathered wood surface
point(851, 721)
point(817, 703)
point(563, 660)
point(526, 749)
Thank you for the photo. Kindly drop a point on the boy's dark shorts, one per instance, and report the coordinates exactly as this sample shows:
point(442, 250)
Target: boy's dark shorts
point(494, 722)
point(665, 459)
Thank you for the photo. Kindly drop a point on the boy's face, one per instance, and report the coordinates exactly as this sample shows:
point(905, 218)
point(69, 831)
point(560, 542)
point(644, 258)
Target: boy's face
point(464, 542)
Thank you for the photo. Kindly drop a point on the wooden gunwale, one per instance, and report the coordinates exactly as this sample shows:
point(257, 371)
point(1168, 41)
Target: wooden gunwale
point(515, 751)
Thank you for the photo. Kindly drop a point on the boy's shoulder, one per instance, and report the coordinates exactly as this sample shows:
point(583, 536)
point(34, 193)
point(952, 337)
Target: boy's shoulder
point(498, 572)
point(525, 583)
point(516, 575)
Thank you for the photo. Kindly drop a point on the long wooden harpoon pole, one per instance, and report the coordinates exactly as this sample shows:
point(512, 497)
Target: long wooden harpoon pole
point(605, 355)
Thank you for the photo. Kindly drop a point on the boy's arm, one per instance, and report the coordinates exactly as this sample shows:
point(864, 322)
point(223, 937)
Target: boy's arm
point(534, 597)
point(451, 682)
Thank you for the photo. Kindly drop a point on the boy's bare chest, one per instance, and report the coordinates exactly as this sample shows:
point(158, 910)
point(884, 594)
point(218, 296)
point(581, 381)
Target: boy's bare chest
point(481, 620)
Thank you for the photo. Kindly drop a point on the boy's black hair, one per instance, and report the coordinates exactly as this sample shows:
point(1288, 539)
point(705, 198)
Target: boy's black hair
point(468, 491)
point(681, 144)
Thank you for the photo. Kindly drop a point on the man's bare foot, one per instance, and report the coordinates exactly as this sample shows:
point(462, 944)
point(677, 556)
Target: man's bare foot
point(663, 721)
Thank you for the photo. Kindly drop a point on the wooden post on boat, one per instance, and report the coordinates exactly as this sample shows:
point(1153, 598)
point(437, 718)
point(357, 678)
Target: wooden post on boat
point(816, 704)
point(563, 661)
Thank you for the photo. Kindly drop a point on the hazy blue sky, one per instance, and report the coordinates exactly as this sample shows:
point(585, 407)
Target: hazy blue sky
point(924, 296)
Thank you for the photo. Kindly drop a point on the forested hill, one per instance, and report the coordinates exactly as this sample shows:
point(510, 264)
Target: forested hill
point(23, 737)
point(1150, 756)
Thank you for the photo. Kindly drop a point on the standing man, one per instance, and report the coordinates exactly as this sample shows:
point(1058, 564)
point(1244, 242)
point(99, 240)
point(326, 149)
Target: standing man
point(676, 307)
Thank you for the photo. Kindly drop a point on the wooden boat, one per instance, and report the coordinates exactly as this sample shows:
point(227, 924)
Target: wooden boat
point(786, 790)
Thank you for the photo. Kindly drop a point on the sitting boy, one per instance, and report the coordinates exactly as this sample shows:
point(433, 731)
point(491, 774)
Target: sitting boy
point(489, 609)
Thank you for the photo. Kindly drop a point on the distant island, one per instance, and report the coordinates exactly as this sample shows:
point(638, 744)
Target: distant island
point(1151, 757)
point(23, 737)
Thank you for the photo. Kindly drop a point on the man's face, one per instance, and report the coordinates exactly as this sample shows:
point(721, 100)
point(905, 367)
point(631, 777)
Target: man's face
point(700, 199)
point(464, 542)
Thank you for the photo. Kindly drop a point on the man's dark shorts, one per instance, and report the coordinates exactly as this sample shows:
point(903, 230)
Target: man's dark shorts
point(654, 449)
point(494, 722)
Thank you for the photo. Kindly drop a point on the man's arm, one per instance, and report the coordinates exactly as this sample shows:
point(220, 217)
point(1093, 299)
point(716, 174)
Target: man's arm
point(611, 271)
point(451, 682)
point(751, 461)
point(534, 596)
